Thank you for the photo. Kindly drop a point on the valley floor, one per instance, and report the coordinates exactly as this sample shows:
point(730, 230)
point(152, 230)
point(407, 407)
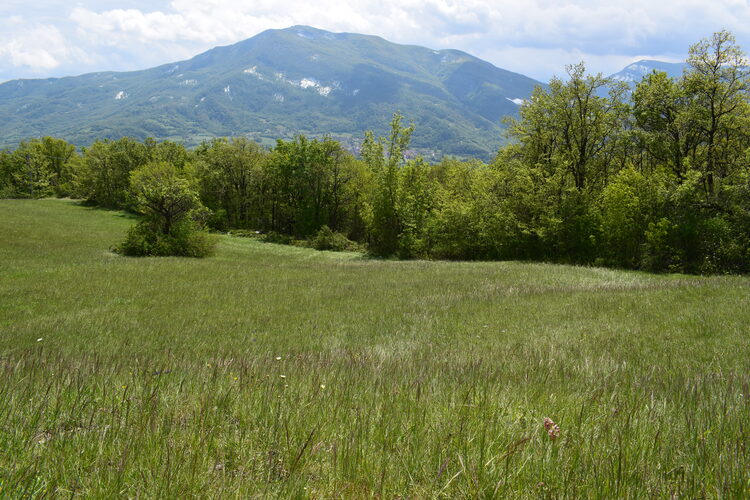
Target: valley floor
point(269, 370)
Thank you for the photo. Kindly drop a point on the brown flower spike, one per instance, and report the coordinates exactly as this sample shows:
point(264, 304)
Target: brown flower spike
point(553, 430)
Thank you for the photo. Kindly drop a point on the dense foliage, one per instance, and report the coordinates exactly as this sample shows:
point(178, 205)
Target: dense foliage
point(172, 212)
point(656, 179)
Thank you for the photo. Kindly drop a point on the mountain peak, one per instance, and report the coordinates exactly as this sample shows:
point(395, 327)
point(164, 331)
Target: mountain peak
point(634, 72)
point(305, 31)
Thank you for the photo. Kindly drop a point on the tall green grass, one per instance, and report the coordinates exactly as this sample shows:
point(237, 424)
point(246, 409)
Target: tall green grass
point(279, 371)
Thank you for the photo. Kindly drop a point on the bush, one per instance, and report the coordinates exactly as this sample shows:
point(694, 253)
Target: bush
point(626, 212)
point(274, 237)
point(327, 239)
point(722, 250)
point(145, 240)
point(173, 215)
point(658, 252)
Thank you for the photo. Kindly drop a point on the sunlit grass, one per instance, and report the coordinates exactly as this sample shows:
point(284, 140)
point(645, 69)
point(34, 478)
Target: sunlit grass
point(159, 377)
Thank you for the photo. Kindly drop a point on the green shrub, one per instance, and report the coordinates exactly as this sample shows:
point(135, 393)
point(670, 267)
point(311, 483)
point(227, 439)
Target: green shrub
point(658, 252)
point(274, 237)
point(722, 250)
point(626, 209)
point(327, 239)
point(145, 240)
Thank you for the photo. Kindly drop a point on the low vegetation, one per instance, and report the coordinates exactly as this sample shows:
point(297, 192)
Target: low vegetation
point(271, 370)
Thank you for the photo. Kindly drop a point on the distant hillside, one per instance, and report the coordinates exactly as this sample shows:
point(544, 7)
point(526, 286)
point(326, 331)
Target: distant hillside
point(634, 73)
point(277, 84)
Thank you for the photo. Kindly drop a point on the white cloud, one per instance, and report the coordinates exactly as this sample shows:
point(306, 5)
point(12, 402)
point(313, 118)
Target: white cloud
point(42, 47)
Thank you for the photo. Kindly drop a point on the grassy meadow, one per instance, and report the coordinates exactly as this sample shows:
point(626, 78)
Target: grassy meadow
point(278, 371)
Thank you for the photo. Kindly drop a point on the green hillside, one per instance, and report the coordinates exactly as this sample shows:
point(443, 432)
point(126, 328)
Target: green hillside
point(275, 371)
point(277, 84)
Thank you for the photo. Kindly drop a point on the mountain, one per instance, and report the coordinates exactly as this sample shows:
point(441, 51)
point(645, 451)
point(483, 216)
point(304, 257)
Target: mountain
point(277, 84)
point(634, 73)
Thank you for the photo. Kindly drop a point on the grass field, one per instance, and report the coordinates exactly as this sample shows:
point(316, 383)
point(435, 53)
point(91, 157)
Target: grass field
point(269, 370)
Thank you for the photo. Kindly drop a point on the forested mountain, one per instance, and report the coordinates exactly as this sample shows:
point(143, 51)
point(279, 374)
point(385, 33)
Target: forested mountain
point(277, 84)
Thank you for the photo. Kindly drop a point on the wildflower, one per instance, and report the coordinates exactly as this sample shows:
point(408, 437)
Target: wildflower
point(124, 386)
point(322, 386)
point(553, 430)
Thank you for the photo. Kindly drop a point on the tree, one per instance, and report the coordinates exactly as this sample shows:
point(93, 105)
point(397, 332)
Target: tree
point(718, 82)
point(462, 210)
point(234, 182)
point(172, 210)
point(25, 173)
point(416, 201)
point(60, 160)
point(572, 126)
point(661, 108)
point(7, 168)
point(38, 168)
point(628, 204)
point(310, 179)
point(384, 157)
point(162, 195)
point(41, 167)
point(105, 172)
point(568, 146)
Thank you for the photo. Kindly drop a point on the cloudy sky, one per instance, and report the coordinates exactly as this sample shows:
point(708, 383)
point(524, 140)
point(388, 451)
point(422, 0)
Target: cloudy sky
point(534, 37)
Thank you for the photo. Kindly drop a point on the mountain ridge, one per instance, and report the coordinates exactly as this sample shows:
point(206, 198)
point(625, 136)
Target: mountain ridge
point(274, 85)
point(283, 82)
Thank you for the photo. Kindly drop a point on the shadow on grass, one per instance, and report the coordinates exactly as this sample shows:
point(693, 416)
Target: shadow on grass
point(117, 212)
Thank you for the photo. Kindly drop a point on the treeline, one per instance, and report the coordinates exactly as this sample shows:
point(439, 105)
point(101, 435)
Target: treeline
point(656, 179)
